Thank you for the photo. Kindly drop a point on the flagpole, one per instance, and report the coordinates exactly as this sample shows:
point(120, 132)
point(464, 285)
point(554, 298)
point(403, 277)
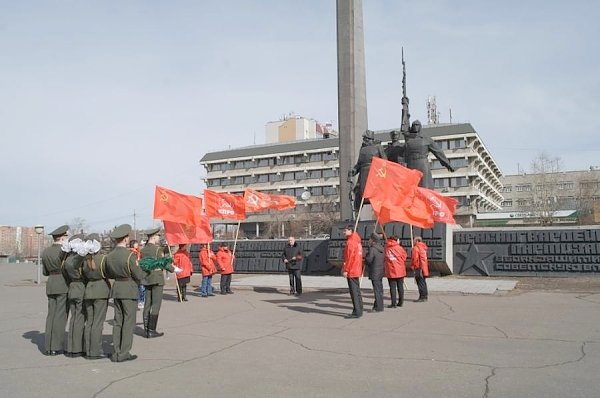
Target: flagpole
point(236, 237)
point(362, 201)
point(412, 245)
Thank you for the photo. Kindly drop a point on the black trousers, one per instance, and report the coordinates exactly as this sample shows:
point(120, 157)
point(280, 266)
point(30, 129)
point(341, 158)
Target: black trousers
point(397, 285)
point(354, 287)
point(378, 291)
point(295, 281)
point(225, 283)
point(421, 284)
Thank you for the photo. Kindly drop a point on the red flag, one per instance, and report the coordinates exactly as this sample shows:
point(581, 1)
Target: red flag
point(442, 207)
point(259, 201)
point(173, 206)
point(390, 184)
point(176, 233)
point(417, 213)
point(224, 205)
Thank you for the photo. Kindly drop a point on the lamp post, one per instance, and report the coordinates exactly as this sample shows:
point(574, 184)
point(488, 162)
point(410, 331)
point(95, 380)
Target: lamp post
point(38, 230)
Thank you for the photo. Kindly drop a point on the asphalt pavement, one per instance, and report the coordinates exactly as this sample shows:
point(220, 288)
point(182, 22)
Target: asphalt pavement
point(477, 337)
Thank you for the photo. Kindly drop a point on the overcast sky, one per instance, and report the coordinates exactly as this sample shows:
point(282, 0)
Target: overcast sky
point(102, 100)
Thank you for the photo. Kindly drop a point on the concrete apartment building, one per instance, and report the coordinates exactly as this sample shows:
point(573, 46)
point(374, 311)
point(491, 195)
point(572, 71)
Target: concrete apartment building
point(20, 242)
point(309, 170)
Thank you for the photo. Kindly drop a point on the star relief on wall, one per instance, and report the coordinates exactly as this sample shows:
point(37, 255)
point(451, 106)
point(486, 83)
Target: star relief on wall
point(473, 258)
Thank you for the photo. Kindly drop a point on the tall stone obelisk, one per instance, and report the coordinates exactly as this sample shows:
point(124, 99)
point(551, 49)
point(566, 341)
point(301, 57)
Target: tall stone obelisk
point(352, 93)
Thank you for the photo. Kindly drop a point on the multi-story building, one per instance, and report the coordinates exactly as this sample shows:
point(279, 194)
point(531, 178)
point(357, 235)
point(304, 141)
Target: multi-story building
point(21, 242)
point(292, 127)
point(564, 197)
point(309, 170)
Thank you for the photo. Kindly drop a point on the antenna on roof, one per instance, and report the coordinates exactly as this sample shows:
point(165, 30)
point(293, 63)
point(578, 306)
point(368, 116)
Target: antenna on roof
point(432, 113)
point(450, 114)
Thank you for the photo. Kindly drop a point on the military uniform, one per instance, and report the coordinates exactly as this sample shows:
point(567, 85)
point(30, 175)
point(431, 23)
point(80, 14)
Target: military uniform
point(56, 290)
point(122, 266)
point(97, 292)
point(73, 267)
point(154, 283)
point(369, 149)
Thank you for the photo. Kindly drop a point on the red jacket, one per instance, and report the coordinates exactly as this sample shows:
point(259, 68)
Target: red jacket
point(182, 260)
point(394, 261)
point(207, 262)
point(353, 256)
point(419, 258)
point(225, 260)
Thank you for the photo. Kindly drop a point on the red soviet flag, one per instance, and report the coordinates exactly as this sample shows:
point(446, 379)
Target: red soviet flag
point(256, 201)
point(176, 233)
point(417, 213)
point(442, 207)
point(173, 206)
point(390, 184)
point(224, 205)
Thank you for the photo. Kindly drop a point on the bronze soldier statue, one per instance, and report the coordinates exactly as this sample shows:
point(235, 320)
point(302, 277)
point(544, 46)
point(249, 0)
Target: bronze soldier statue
point(395, 150)
point(416, 150)
point(370, 148)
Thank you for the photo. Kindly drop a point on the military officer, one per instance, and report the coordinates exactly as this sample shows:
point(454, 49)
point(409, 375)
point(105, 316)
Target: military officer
point(97, 292)
point(73, 267)
point(56, 290)
point(122, 266)
point(154, 283)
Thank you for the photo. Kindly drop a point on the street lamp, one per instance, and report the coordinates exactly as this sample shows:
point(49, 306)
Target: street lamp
point(38, 230)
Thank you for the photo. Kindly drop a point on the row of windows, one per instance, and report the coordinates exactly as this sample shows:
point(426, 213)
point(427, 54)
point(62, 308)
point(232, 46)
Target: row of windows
point(456, 163)
point(539, 187)
point(274, 177)
point(452, 182)
point(452, 144)
point(272, 161)
point(314, 191)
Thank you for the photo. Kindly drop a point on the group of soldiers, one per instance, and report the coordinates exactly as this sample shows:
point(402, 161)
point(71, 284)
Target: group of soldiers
point(79, 275)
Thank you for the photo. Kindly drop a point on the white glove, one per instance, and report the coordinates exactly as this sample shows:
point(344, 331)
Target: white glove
point(177, 269)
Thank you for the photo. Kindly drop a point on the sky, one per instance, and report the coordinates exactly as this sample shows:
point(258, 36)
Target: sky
point(100, 101)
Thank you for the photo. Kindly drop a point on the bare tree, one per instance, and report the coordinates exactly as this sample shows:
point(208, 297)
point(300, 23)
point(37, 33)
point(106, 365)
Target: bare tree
point(588, 191)
point(543, 202)
point(78, 225)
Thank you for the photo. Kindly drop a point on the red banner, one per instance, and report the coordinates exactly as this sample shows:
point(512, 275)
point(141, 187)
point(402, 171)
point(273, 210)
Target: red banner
point(256, 201)
point(176, 233)
point(224, 205)
point(442, 207)
point(173, 206)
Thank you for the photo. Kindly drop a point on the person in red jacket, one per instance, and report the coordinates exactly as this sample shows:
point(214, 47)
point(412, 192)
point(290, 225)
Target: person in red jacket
point(352, 269)
point(395, 269)
point(182, 259)
point(207, 265)
point(420, 266)
point(225, 263)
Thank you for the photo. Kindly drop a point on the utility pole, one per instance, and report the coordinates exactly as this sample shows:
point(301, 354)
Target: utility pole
point(134, 226)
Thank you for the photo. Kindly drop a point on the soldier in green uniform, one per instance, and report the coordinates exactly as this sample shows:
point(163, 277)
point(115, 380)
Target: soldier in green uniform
point(122, 266)
point(73, 267)
point(56, 290)
point(97, 292)
point(154, 283)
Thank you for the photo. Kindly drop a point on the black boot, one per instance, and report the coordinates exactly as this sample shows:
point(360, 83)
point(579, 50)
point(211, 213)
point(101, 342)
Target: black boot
point(146, 330)
point(152, 321)
point(184, 292)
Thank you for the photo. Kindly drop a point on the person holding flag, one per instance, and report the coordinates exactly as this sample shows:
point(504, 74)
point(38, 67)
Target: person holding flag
point(374, 259)
point(207, 265)
point(225, 263)
point(352, 269)
point(420, 265)
point(395, 269)
point(182, 260)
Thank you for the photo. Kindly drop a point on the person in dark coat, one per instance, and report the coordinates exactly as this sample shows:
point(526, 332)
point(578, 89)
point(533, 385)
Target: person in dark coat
point(374, 260)
point(56, 290)
point(292, 258)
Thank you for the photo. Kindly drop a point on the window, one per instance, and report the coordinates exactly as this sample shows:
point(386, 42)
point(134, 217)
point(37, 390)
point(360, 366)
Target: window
point(330, 191)
point(314, 174)
point(459, 162)
point(463, 201)
point(330, 156)
point(249, 179)
point(521, 202)
point(288, 176)
point(274, 177)
point(316, 191)
point(266, 162)
point(237, 180)
point(316, 157)
point(330, 173)
point(507, 188)
point(299, 175)
point(458, 182)
point(263, 178)
point(441, 182)
point(566, 185)
point(506, 203)
point(457, 143)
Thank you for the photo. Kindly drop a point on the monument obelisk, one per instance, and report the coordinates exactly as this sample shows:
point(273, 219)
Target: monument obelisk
point(352, 93)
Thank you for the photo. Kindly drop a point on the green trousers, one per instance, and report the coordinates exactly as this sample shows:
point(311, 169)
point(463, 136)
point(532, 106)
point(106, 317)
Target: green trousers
point(76, 325)
point(124, 323)
point(153, 299)
point(95, 311)
point(56, 321)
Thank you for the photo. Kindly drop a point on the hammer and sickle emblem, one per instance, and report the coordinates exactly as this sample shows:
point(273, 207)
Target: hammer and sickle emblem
point(381, 172)
point(164, 197)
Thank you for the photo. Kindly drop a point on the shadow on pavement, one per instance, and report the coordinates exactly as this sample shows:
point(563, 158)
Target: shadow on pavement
point(36, 337)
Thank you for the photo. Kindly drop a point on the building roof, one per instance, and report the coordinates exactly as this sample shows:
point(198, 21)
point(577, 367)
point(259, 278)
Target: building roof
point(322, 143)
